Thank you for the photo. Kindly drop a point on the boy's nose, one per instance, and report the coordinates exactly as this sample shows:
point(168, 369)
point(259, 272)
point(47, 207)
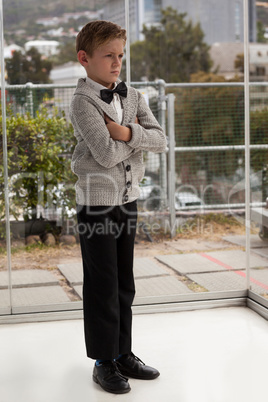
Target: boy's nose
point(117, 61)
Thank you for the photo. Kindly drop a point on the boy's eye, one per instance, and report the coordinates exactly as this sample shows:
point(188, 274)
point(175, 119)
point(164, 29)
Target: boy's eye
point(120, 55)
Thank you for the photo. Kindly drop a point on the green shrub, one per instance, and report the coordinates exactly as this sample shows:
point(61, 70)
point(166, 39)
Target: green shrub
point(39, 160)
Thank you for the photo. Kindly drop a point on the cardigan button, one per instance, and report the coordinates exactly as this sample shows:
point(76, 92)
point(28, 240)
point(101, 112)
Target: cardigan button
point(126, 198)
point(128, 184)
point(128, 167)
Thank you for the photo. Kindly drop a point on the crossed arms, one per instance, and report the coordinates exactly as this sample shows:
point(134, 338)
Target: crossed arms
point(117, 132)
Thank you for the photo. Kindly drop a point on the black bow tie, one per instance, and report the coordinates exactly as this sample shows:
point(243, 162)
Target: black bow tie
point(107, 94)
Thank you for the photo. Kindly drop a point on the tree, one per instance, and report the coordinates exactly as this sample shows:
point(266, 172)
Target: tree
point(28, 67)
point(239, 62)
point(210, 116)
point(260, 32)
point(67, 52)
point(172, 50)
point(259, 135)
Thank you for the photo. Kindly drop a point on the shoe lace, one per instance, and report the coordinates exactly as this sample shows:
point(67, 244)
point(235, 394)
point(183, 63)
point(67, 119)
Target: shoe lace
point(113, 369)
point(136, 358)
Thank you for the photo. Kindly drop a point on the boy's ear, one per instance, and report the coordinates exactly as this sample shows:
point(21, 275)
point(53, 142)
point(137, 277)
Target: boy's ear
point(82, 57)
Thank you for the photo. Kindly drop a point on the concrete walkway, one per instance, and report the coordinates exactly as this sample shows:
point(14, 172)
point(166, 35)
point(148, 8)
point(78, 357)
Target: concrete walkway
point(194, 266)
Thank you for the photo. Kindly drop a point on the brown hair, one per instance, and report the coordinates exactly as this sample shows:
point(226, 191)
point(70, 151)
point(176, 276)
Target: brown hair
point(97, 33)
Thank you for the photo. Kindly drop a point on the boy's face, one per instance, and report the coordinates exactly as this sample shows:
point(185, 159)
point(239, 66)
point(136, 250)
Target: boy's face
point(105, 64)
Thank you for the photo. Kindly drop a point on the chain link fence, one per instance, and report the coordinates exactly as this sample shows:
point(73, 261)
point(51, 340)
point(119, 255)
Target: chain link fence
point(209, 136)
point(203, 168)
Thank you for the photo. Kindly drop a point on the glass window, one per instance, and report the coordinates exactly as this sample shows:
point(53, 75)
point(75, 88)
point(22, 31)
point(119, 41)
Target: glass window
point(259, 193)
point(5, 295)
point(190, 49)
point(237, 21)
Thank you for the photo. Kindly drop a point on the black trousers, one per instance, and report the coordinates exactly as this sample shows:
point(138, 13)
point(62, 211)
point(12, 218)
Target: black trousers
point(107, 237)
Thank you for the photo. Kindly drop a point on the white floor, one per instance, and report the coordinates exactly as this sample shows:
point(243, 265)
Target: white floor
point(217, 355)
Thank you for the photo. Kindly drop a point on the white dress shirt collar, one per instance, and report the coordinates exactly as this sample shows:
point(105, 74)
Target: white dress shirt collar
point(116, 102)
point(96, 86)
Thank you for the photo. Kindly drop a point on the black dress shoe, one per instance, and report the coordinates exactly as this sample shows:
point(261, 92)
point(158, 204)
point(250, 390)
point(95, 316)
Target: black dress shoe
point(131, 366)
point(110, 379)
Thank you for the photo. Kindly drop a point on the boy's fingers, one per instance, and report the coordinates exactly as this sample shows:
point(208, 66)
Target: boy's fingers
point(107, 119)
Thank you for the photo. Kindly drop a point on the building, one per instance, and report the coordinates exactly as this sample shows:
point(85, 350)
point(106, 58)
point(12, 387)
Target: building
point(221, 21)
point(90, 15)
point(45, 47)
point(223, 56)
point(140, 12)
point(259, 61)
point(48, 21)
point(66, 74)
point(55, 21)
point(9, 50)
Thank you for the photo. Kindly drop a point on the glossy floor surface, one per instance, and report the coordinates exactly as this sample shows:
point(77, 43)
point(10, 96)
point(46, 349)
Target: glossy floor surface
point(217, 355)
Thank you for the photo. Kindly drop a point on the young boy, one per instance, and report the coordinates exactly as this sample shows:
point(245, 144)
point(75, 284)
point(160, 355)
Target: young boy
point(113, 125)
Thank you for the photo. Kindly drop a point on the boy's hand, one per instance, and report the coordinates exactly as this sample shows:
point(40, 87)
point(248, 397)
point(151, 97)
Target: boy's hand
point(107, 119)
point(117, 132)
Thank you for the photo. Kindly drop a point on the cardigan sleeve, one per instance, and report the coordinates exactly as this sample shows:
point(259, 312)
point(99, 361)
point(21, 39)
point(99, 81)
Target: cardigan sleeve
point(90, 126)
point(148, 135)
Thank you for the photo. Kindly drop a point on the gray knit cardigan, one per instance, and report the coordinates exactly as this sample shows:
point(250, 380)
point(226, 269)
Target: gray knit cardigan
point(109, 171)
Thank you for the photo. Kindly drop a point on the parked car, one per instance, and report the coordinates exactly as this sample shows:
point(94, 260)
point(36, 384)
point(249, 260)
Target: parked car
point(186, 199)
point(146, 187)
point(150, 195)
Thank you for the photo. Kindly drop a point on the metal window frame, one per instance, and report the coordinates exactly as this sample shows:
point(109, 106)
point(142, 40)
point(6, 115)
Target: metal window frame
point(143, 305)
